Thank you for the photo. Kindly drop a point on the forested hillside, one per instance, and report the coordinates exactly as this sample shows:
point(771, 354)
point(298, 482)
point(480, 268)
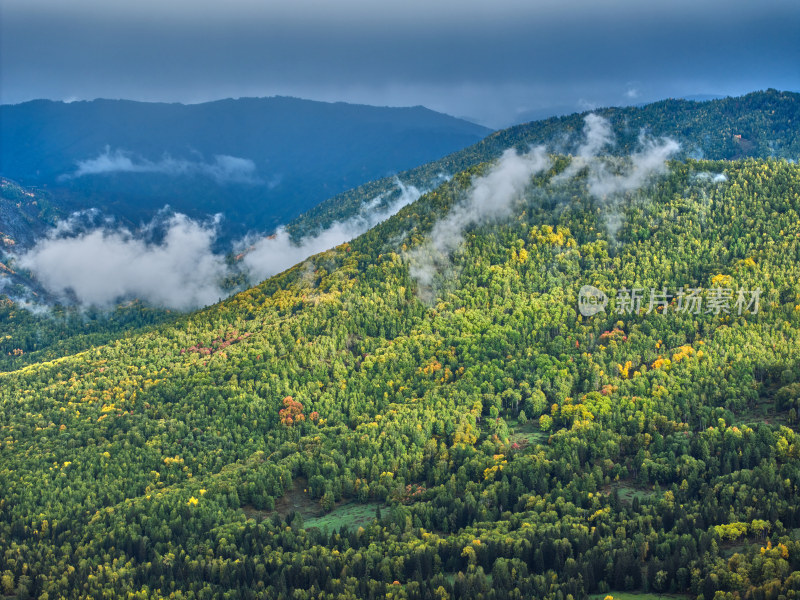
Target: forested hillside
point(501, 444)
point(31, 329)
point(765, 122)
point(761, 124)
point(24, 214)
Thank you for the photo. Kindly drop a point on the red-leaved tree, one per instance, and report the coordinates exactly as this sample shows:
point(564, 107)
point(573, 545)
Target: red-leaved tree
point(292, 412)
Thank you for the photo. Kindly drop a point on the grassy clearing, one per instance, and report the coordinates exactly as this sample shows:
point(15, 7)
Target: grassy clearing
point(636, 596)
point(451, 577)
point(350, 515)
point(528, 434)
point(764, 411)
point(627, 491)
point(728, 550)
point(298, 500)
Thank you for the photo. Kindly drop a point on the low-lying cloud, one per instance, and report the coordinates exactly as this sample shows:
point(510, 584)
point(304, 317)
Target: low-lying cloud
point(223, 169)
point(711, 177)
point(491, 197)
point(648, 161)
point(99, 264)
point(605, 178)
point(597, 135)
point(271, 255)
point(102, 266)
point(170, 262)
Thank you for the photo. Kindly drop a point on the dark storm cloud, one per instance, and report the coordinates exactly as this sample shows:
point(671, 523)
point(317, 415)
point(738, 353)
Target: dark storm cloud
point(466, 58)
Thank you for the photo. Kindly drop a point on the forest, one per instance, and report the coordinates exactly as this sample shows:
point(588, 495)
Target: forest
point(331, 433)
point(756, 125)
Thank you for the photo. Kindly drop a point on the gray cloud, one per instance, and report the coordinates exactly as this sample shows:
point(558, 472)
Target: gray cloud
point(224, 169)
point(490, 61)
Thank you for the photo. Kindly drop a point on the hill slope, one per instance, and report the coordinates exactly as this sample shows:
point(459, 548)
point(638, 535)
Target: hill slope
point(765, 119)
point(761, 124)
point(25, 216)
point(261, 162)
point(657, 450)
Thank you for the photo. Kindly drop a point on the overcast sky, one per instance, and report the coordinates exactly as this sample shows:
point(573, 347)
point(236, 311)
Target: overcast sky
point(494, 62)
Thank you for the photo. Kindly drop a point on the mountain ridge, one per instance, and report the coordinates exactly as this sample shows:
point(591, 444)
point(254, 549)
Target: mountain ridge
point(261, 161)
point(693, 126)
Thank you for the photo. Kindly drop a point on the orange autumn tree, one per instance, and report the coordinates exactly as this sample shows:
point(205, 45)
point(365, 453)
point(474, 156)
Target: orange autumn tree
point(292, 412)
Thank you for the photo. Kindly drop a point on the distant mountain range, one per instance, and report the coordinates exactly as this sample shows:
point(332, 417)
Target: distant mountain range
point(270, 161)
point(260, 161)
